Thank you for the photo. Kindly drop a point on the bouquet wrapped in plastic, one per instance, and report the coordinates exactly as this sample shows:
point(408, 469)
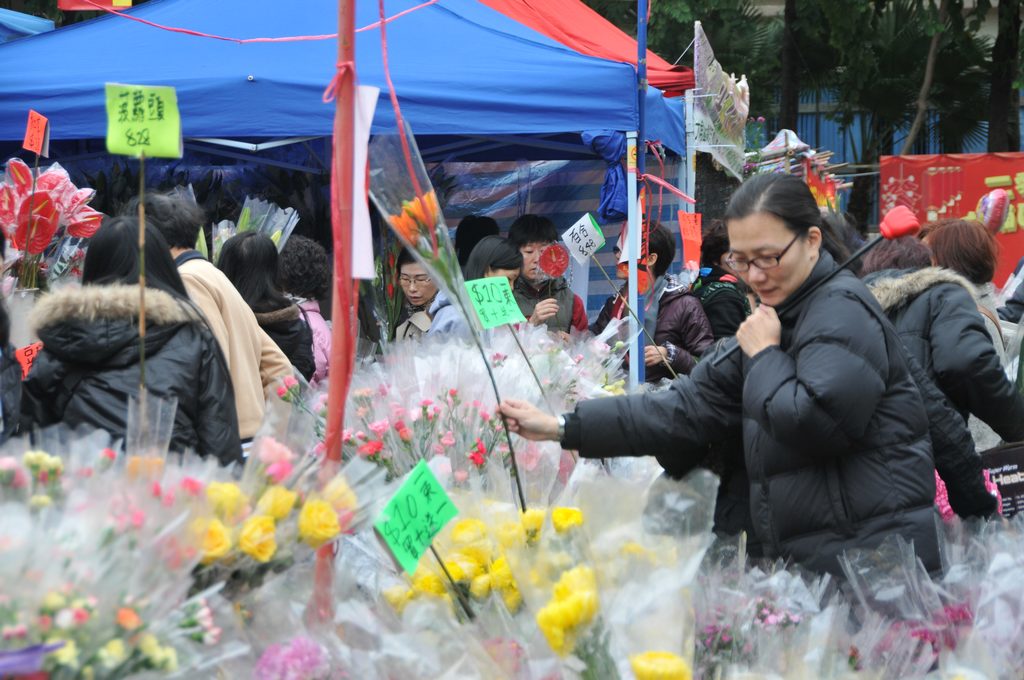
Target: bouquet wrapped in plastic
point(47, 221)
point(257, 215)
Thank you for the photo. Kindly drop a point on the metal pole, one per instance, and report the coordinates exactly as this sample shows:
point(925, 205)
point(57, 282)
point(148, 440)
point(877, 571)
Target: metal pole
point(641, 168)
point(636, 352)
point(691, 149)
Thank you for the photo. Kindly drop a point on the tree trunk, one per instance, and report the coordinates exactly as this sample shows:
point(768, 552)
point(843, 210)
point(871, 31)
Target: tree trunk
point(1003, 101)
point(789, 107)
point(926, 86)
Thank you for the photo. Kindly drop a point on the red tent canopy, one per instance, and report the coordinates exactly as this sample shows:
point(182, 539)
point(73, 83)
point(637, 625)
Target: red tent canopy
point(576, 25)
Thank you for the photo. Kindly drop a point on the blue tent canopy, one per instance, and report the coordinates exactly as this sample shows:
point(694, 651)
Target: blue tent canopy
point(460, 68)
point(18, 25)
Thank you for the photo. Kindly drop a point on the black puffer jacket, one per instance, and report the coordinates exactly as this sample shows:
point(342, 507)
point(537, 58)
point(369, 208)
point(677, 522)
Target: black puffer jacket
point(937, 318)
point(10, 392)
point(835, 434)
point(289, 330)
point(90, 365)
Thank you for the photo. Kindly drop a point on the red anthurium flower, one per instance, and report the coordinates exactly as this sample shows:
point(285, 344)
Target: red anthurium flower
point(78, 200)
point(85, 222)
point(33, 238)
point(20, 174)
point(7, 204)
point(554, 260)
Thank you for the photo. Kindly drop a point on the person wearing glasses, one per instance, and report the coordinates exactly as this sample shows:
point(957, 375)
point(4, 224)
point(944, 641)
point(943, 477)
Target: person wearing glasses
point(419, 290)
point(834, 432)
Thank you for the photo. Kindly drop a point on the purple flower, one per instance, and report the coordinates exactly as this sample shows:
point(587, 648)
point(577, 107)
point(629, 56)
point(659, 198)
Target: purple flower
point(300, 659)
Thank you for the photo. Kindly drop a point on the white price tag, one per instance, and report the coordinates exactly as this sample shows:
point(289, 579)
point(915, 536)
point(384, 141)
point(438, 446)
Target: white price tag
point(584, 238)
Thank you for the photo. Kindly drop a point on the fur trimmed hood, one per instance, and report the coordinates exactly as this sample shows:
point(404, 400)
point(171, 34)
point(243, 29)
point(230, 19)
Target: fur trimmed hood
point(896, 289)
point(108, 303)
point(283, 315)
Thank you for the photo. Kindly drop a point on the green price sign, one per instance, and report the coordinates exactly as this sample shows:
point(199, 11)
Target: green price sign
point(493, 301)
point(414, 515)
point(143, 119)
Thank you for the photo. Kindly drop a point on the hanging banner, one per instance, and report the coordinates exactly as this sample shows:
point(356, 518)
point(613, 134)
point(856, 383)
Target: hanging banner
point(942, 186)
point(92, 5)
point(720, 107)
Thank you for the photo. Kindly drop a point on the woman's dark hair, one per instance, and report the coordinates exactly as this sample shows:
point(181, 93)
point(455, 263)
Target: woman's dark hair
point(249, 260)
point(179, 221)
point(532, 229)
point(113, 257)
point(714, 243)
point(964, 246)
point(787, 198)
point(492, 252)
point(471, 230)
point(907, 252)
point(661, 243)
point(404, 258)
point(303, 268)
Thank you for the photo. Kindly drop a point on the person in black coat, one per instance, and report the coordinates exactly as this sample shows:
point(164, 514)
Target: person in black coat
point(937, 317)
point(719, 291)
point(90, 362)
point(249, 260)
point(835, 434)
point(10, 371)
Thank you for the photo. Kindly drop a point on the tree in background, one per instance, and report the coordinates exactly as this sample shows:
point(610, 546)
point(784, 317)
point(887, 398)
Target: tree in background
point(1004, 99)
point(745, 42)
point(789, 77)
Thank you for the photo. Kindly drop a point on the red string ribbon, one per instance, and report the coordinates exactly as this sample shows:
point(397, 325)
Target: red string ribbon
point(287, 38)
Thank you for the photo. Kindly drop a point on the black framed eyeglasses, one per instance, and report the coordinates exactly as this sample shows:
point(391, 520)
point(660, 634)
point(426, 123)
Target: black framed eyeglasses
point(763, 263)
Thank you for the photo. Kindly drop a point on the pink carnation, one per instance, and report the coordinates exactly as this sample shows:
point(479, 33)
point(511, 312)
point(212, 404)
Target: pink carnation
point(371, 448)
point(379, 427)
point(280, 470)
point(448, 440)
point(290, 381)
point(192, 486)
point(272, 451)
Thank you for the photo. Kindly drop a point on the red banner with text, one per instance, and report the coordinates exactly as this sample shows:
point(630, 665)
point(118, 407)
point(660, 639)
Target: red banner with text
point(942, 186)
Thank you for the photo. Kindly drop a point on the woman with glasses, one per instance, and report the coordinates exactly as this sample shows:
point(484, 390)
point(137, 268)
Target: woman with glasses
point(834, 431)
point(419, 290)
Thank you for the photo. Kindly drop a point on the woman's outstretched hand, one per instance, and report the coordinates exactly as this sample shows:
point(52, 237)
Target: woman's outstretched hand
point(528, 421)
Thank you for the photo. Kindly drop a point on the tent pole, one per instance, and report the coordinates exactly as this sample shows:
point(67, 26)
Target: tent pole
point(636, 347)
point(691, 151)
point(641, 165)
point(343, 299)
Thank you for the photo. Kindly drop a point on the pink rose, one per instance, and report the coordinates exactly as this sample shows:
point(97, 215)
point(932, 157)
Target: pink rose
point(280, 470)
point(290, 381)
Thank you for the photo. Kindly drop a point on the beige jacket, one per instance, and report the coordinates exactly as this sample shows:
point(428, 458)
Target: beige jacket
point(254, 360)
